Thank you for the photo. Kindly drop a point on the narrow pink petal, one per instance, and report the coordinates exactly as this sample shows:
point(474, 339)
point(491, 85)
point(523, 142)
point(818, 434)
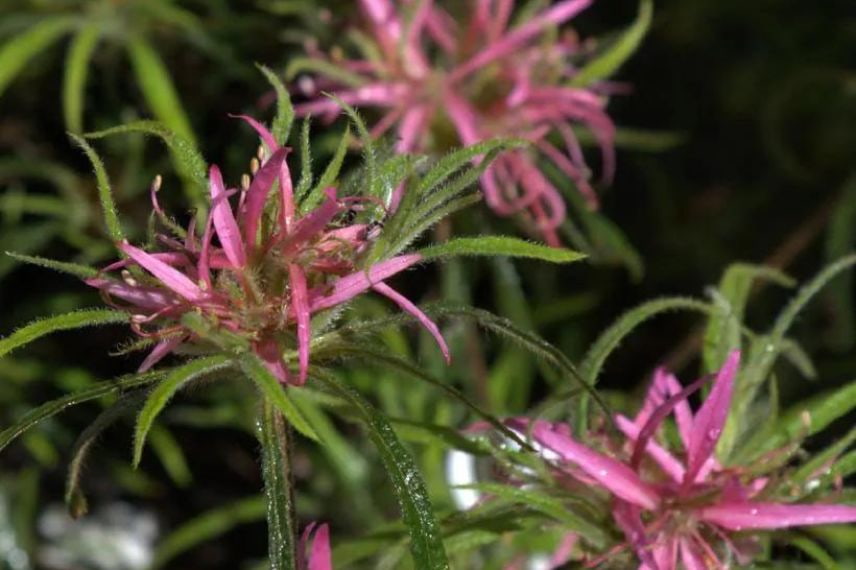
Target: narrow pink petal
point(558, 14)
point(665, 553)
point(628, 517)
point(203, 266)
point(683, 414)
point(224, 220)
point(664, 459)
point(147, 298)
point(320, 557)
point(654, 397)
point(693, 557)
point(300, 302)
point(263, 132)
point(258, 192)
point(169, 276)
point(161, 350)
point(710, 419)
point(611, 474)
point(268, 350)
point(562, 554)
point(315, 221)
point(748, 515)
point(408, 307)
point(286, 197)
point(349, 286)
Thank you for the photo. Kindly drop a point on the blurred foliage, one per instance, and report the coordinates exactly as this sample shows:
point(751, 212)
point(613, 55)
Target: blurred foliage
point(737, 146)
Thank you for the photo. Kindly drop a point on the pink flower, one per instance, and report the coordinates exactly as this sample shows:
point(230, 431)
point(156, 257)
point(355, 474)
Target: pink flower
point(263, 279)
point(674, 507)
point(476, 78)
point(317, 538)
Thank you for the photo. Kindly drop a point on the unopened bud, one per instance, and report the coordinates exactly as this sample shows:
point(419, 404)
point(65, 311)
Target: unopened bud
point(805, 418)
point(254, 166)
point(260, 152)
point(156, 184)
point(139, 318)
point(203, 285)
point(245, 182)
point(128, 278)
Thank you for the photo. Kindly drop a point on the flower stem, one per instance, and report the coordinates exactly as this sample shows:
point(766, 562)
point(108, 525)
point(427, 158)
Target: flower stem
point(274, 435)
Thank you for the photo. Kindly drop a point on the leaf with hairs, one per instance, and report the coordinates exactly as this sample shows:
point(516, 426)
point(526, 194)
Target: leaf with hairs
point(186, 156)
point(722, 334)
point(499, 245)
point(105, 193)
point(820, 411)
point(277, 394)
point(426, 543)
point(81, 271)
point(306, 178)
point(329, 176)
point(372, 183)
point(75, 500)
point(281, 126)
point(840, 240)
point(608, 62)
point(548, 505)
point(17, 52)
point(177, 379)
point(208, 526)
point(76, 69)
point(49, 409)
point(298, 65)
point(68, 321)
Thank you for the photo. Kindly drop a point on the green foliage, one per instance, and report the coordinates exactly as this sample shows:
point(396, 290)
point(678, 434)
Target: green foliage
point(16, 53)
point(76, 70)
point(281, 127)
point(500, 245)
point(426, 545)
point(105, 192)
point(70, 321)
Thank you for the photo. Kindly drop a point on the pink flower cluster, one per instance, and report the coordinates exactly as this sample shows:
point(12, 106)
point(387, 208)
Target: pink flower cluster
point(269, 271)
point(436, 75)
point(680, 506)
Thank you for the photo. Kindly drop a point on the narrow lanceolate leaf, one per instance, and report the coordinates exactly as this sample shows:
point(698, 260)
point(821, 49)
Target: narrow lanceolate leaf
point(165, 390)
point(157, 87)
point(105, 193)
point(189, 161)
point(76, 68)
point(74, 498)
point(284, 118)
point(814, 415)
point(49, 409)
point(275, 393)
point(500, 245)
point(329, 176)
point(550, 506)
point(68, 321)
point(426, 543)
point(207, 526)
point(81, 271)
point(274, 438)
point(17, 52)
point(607, 63)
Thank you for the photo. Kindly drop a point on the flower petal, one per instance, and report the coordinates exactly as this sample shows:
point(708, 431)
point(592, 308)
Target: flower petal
point(613, 475)
point(710, 419)
point(161, 350)
point(257, 194)
point(263, 132)
point(300, 301)
point(320, 557)
point(349, 286)
point(664, 459)
point(167, 275)
point(268, 350)
point(407, 306)
point(748, 515)
point(693, 557)
point(224, 220)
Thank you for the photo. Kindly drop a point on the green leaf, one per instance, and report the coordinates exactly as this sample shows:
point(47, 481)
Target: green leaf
point(105, 193)
point(609, 340)
point(49, 409)
point(426, 543)
point(186, 156)
point(814, 550)
point(330, 174)
point(275, 393)
point(76, 69)
point(81, 271)
point(297, 65)
point(375, 188)
point(17, 52)
point(840, 240)
point(75, 500)
point(164, 391)
point(208, 526)
point(550, 506)
point(722, 334)
point(306, 179)
point(284, 118)
point(820, 410)
point(607, 63)
point(68, 321)
point(500, 245)
point(157, 87)
point(275, 440)
point(170, 455)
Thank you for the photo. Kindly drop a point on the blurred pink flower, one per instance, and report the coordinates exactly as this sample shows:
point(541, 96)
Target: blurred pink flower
point(265, 276)
point(316, 538)
point(475, 78)
point(672, 508)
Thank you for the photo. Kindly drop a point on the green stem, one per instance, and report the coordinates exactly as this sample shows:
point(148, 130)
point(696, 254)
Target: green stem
point(275, 439)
